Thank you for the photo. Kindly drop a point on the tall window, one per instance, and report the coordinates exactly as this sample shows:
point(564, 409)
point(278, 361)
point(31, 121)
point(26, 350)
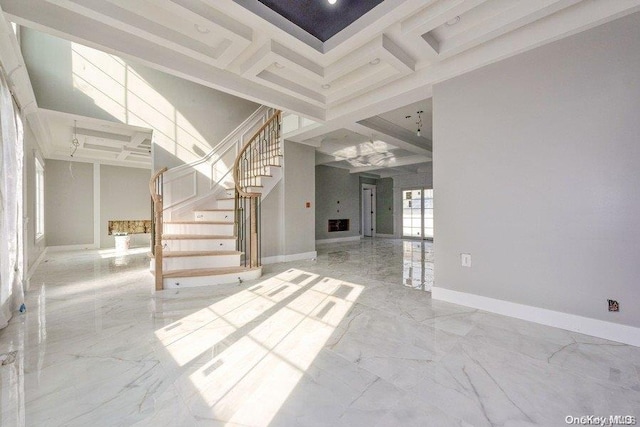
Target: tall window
point(39, 199)
point(417, 213)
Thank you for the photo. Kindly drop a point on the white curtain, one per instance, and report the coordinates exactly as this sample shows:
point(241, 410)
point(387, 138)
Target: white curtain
point(11, 249)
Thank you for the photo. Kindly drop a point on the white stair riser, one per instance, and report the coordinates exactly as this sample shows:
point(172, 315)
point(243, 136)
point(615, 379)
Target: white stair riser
point(210, 229)
point(226, 204)
point(257, 181)
point(191, 245)
point(213, 215)
point(253, 189)
point(205, 261)
point(189, 282)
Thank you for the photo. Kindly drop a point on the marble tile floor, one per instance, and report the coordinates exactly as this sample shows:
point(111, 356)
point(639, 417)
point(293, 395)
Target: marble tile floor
point(348, 339)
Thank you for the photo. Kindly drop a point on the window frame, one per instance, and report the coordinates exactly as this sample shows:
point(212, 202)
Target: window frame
point(39, 198)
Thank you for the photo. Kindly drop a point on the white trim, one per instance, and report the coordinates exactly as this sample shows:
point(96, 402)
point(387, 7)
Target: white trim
point(96, 205)
point(571, 322)
point(287, 258)
point(63, 248)
point(27, 279)
point(386, 236)
point(35, 265)
point(339, 239)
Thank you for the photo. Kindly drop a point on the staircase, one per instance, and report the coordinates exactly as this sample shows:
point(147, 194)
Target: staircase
point(214, 237)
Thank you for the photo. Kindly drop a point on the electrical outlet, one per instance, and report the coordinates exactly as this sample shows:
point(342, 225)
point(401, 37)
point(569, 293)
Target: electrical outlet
point(465, 260)
point(613, 305)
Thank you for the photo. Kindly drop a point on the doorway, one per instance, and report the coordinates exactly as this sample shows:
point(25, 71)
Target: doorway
point(368, 215)
point(417, 213)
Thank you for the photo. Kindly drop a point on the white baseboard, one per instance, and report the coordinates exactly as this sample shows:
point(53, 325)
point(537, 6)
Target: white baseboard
point(72, 247)
point(386, 236)
point(339, 239)
point(571, 322)
point(32, 269)
point(286, 258)
point(35, 265)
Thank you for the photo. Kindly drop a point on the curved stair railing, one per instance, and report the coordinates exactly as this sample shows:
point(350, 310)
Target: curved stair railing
point(156, 188)
point(253, 163)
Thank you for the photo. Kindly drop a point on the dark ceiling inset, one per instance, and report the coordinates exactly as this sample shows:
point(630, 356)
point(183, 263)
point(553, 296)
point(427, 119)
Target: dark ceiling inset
point(319, 18)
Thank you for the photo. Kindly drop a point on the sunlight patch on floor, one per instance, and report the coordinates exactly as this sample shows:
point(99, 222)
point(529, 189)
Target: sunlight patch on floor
point(268, 335)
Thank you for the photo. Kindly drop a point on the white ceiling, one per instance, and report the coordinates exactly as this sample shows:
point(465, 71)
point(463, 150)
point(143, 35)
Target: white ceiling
point(399, 117)
point(109, 142)
point(359, 80)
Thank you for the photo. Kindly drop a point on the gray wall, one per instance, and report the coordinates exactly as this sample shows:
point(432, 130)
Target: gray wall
point(299, 188)
point(124, 195)
point(335, 185)
point(272, 222)
point(70, 216)
point(68, 203)
point(384, 206)
point(536, 175)
point(187, 118)
point(33, 249)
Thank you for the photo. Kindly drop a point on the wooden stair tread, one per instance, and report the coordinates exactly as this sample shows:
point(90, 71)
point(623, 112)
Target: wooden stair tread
point(199, 222)
point(197, 272)
point(195, 236)
point(178, 254)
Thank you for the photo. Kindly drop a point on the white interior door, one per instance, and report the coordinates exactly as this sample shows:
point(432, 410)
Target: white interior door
point(367, 224)
point(368, 210)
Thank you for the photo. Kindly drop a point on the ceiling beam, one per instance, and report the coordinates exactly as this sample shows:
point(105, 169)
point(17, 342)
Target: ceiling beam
point(392, 134)
point(393, 162)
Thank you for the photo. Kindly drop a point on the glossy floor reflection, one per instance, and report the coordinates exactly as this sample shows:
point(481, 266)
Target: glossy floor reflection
point(344, 340)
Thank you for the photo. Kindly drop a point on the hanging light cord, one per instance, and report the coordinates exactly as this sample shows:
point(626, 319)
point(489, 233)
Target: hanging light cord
point(74, 142)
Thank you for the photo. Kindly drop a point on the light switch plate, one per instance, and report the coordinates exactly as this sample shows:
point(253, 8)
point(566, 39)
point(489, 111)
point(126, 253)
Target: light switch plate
point(465, 260)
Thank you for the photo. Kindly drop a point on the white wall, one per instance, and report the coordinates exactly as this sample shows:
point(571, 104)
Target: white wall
point(187, 119)
point(537, 176)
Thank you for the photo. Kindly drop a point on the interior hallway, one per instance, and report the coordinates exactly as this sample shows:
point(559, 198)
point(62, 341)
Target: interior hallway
point(344, 340)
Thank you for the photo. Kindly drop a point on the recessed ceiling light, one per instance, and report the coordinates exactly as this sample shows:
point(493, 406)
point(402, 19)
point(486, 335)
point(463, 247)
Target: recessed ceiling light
point(332, 1)
point(453, 21)
point(278, 65)
point(202, 30)
point(374, 61)
point(326, 86)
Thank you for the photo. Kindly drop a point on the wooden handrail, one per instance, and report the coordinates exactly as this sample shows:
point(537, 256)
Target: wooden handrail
point(236, 165)
point(265, 148)
point(157, 196)
point(152, 183)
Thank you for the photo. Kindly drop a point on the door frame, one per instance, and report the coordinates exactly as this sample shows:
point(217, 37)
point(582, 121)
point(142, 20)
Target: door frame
point(371, 187)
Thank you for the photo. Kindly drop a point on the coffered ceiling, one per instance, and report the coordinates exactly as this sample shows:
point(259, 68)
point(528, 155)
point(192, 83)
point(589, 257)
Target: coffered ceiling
point(386, 59)
point(78, 138)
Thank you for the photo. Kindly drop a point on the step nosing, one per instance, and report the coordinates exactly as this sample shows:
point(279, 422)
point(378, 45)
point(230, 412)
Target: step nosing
point(198, 272)
point(200, 222)
point(184, 254)
point(197, 236)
